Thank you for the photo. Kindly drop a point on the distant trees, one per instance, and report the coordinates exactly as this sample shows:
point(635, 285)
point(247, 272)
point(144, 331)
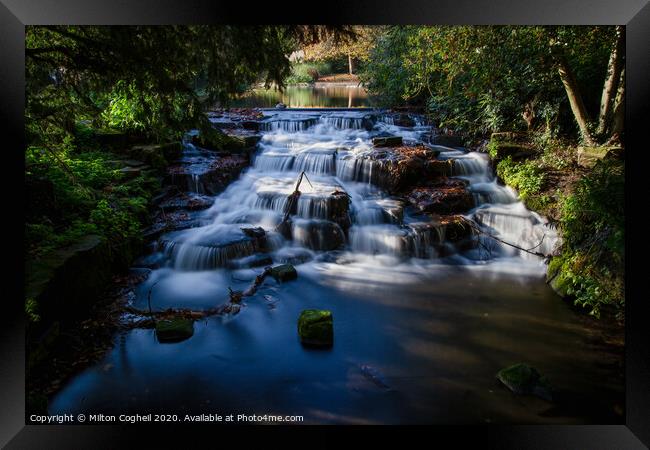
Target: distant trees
point(354, 46)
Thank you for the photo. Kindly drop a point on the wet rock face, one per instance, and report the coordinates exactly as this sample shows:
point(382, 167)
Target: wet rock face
point(447, 196)
point(402, 167)
point(209, 180)
point(339, 208)
point(318, 235)
point(315, 328)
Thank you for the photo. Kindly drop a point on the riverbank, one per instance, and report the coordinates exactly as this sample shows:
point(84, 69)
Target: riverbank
point(581, 190)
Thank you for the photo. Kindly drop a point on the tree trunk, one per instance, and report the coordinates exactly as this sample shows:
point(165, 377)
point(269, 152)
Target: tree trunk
point(618, 126)
point(350, 64)
point(575, 99)
point(616, 61)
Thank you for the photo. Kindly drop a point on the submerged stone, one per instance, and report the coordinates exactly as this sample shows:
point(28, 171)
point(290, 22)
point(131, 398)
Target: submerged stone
point(315, 328)
point(523, 379)
point(174, 330)
point(284, 272)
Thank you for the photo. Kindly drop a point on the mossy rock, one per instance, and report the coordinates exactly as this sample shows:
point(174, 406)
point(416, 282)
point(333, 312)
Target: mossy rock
point(174, 330)
point(588, 156)
point(499, 150)
point(315, 328)
point(284, 272)
point(523, 379)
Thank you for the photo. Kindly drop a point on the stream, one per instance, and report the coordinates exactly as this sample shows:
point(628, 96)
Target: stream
point(421, 323)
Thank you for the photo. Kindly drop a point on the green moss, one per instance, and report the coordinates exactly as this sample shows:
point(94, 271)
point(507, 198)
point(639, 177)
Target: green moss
point(174, 330)
point(315, 327)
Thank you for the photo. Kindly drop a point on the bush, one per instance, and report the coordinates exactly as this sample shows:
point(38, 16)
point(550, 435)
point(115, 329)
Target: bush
point(591, 268)
point(526, 177)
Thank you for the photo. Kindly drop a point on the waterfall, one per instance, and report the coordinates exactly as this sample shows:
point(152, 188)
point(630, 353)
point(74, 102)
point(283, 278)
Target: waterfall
point(341, 205)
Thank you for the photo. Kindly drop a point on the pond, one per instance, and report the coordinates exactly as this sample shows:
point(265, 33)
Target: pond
point(298, 96)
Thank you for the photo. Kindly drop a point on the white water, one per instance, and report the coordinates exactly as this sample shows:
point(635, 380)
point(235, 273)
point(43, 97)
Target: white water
point(332, 149)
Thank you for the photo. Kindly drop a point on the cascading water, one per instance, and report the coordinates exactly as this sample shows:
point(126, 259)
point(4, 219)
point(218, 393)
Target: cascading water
point(335, 151)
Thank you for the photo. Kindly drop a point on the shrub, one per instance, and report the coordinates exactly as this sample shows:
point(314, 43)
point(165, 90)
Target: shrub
point(526, 177)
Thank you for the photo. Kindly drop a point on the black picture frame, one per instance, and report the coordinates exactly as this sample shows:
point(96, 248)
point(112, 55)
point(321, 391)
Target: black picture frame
point(635, 14)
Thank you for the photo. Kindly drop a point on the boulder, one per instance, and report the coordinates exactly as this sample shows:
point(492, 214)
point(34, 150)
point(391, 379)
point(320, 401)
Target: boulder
point(396, 169)
point(174, 330)
point(446, 140)
point(523, 379)
point(388, 141)
point(284, 272)
point(447, 196)
point(499, 150)
point(315, 328)
point(588, 156)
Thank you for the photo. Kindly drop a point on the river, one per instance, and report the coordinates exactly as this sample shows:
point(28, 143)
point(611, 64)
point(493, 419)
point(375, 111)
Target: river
point(420, 327)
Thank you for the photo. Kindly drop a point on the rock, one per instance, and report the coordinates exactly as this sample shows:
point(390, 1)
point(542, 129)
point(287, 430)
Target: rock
point(256, 233)
point(67, 281)
point(281, 105)
point(315, 328)
point(439, 168)
point(525, 380)
point(446, 140)
point(284, 272)
point(396, 169)
point(588, 156)
point(319, 235)
point(404, 120)
point(445, 197)
point(174, 330)
point(187, 202)
point(499, 150)
point(389, 141)
point(211, 179)
point(250, 125)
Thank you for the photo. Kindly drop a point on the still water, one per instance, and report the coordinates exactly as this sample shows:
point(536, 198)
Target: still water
point(334, 96)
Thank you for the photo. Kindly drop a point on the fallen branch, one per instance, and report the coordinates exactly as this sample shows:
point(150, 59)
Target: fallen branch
point(529, 250)
point(292, 200)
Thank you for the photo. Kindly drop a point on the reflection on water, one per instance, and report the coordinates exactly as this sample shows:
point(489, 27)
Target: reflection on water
point(307, 97)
